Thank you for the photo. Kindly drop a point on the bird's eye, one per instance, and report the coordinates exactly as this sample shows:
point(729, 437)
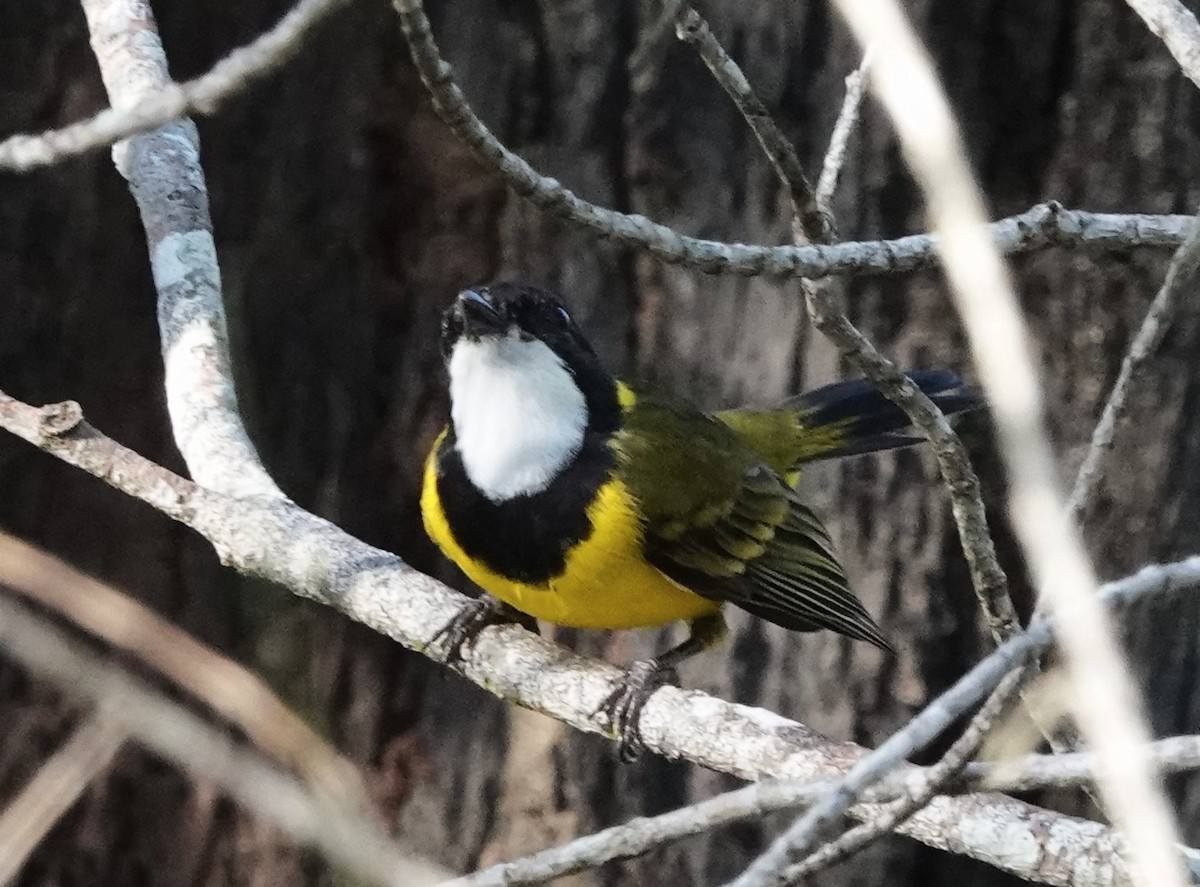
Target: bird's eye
point(563, 315)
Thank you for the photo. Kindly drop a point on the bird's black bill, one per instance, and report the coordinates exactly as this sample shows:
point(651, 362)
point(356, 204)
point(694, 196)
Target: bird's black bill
point(479, 316)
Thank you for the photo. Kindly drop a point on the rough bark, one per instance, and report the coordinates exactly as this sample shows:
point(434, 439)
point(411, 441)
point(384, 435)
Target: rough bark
point(345, 218)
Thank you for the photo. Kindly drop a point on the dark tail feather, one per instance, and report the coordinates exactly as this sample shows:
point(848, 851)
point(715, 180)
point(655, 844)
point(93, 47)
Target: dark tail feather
point(852, 417)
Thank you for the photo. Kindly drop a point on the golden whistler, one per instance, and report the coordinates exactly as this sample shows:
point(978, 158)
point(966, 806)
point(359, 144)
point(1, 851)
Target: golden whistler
point(569, 497)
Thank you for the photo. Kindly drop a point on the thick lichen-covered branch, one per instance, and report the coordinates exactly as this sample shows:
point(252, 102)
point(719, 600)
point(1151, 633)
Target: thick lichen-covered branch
point(276, 540)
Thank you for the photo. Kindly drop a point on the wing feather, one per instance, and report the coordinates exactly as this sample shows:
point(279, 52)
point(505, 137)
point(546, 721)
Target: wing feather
point(722, 522)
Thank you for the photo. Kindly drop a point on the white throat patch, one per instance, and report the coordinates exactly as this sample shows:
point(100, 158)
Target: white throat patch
point(518, 415)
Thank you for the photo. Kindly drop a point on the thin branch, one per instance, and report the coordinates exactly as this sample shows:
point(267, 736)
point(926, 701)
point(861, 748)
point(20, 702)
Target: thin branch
point(932, 783)
point(277, 541)
point(1181, 275)
point(347, 839)
point(987, 577)
point(304, 554)
point(1175, 25)
point(970, 516)
point(220, 683)
point(809, 221)
point(1176, 754)
point(169, 101)
point(843, 127)
point(54, 789)
point(164, 174)
point(1041, 227)
point(641, 835)
point(1106, 703)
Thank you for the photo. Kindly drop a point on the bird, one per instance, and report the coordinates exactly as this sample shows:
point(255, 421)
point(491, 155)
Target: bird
point(571, 496)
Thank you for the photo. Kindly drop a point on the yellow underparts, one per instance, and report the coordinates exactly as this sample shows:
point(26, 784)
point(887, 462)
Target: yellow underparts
point(607, 582)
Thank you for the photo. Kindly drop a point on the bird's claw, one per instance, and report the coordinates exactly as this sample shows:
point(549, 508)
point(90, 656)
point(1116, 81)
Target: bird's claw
point(624, 705)
point(474, 618)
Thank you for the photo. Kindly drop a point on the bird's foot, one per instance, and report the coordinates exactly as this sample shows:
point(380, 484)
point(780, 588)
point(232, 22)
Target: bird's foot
point(474, 618)
point(624, 705)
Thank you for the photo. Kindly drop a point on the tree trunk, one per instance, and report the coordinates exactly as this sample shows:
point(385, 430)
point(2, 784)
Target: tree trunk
point(347, 216)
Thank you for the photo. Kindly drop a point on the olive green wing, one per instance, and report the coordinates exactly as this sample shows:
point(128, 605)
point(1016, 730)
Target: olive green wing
point(721, 522)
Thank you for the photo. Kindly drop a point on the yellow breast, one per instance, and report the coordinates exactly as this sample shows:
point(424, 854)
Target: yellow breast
point(607, 582)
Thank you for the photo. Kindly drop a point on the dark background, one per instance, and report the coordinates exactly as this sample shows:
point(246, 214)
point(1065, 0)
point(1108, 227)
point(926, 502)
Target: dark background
point(346, 217)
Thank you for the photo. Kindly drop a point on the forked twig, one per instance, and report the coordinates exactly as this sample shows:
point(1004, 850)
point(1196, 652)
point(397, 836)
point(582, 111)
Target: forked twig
point(280, 542)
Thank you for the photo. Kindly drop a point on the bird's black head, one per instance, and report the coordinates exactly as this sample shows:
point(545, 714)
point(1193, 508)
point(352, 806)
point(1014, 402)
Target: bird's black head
point(523, 379)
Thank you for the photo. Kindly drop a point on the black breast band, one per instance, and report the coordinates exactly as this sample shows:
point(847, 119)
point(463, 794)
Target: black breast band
point(525, 538)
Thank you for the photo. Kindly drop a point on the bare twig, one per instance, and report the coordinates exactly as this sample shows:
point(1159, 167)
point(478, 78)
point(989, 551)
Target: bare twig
point(1176, 754)
point(1042, 226)
point(1179, 281)
point(163, 169)
point(278, 541)
point(352, 841)
point(987, 578)
point(1106, 704)
point(642, 835)
point(843, 127)
point(1176, 26)
point(932, 782)
point(970, 516)
point(170, 101)
point(217, 681)
point(809, 221)
point(54, 789)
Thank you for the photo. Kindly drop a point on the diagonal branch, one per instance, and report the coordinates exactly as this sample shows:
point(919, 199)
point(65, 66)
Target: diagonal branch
point(987, 577)
point(931, 783)
point(809, 221)
point(1176, 26)
point(1106, 703)
point(170, 101)
point(276, 540)
point(1179, 282)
